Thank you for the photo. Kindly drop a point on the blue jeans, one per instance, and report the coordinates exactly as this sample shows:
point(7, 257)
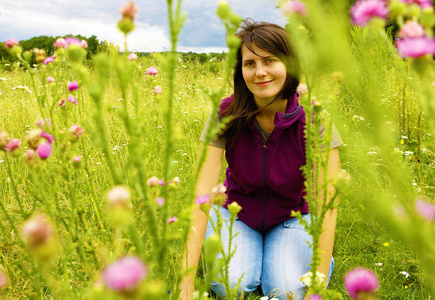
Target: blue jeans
point(274, 260)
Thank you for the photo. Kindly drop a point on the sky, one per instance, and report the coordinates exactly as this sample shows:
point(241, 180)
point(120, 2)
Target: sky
point(201, 33)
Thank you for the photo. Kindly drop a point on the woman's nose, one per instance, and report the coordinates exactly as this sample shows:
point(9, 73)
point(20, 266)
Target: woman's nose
point(260, 71)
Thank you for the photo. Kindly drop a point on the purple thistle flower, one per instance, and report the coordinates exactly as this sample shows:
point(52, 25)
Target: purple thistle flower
point(10, 43)
point(60, 43)
point(152, 71)
point(71, 41)
point(160, 201)
point(415, 47)
point(44, 150)
point(202, 199)
point(315, 297)
point(73, 86)
point(48, 60)
point(360, 280)
point(125, 273)
point(47, 136)
point(294, 7)
point(72, 99)
point(50, 79)
point(172, 220)
point(426, 210)
point(363, 11)
point(12, 145)
point(421, 3)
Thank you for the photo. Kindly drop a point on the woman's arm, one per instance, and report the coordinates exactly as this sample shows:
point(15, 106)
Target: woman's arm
point(208, 178)
point(326, 242)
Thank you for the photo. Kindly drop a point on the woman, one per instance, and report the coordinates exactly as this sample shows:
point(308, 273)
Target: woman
point(264, 148)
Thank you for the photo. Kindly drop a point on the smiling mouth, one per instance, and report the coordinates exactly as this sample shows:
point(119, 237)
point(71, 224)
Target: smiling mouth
point(263, 83)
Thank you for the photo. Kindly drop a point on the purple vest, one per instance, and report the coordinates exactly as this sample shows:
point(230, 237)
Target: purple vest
point(266, 179)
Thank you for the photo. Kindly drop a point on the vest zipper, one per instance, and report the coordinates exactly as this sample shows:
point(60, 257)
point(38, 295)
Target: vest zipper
point(264, 142)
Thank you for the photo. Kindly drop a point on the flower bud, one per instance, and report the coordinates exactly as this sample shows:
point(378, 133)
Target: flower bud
point(218, 195)
point(342, 181)
point(302, 89)
point(414, 10)
point(427, 18)
point(119, 195)
point(37, 231)
point(77, 161)
point(233, 42)
point(397, 8)
point(234, 208)
point(126, 25)
point(235, 20)
point(213, 246)
point(317, 107)
point(16, 50)
point(39, 55)
point(75, 53)
point(33, 138)
point(76, 131)
point(153, 181)
point(4, 139)
point(223, 10)
point(30, 157)
point(27, 55)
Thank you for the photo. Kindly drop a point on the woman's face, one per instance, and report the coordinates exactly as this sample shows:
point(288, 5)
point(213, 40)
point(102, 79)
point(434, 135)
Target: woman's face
point(264, 74)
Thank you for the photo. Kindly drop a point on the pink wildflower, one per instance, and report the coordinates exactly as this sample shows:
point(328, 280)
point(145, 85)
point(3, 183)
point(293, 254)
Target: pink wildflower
point(172, 220)
point(77, 131)
point(132, 57)
point(50, 79)
point(60, 43)
point(61, 103)
point(162, 182)
point(37, 230)
point(415, 47)
point(302, 89)
point(44, 150)
point(363, 11)
point(77, 158)
point(160, 201)
point(152, 71)
point(294, 7)
point(153, 181)
point(41, 124)
point(124, 274)
point(118, 195)
point(73, 86)
point(72, 99)
point(176, 181)
point(4, 281)
point(360, 280)
point(202, 199)
point(129, 10)
point(315, 297)
point(10, 43)
point(47, 136)
point(48, 60)
point(411, 29)
point(157, 90)
point(426, 210)
point(12, 145)
point(84, 43)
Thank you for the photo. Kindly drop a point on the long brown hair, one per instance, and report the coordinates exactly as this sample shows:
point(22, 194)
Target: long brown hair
point(276, 40)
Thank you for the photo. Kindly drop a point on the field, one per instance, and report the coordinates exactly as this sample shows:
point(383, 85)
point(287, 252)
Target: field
point(381, 104)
